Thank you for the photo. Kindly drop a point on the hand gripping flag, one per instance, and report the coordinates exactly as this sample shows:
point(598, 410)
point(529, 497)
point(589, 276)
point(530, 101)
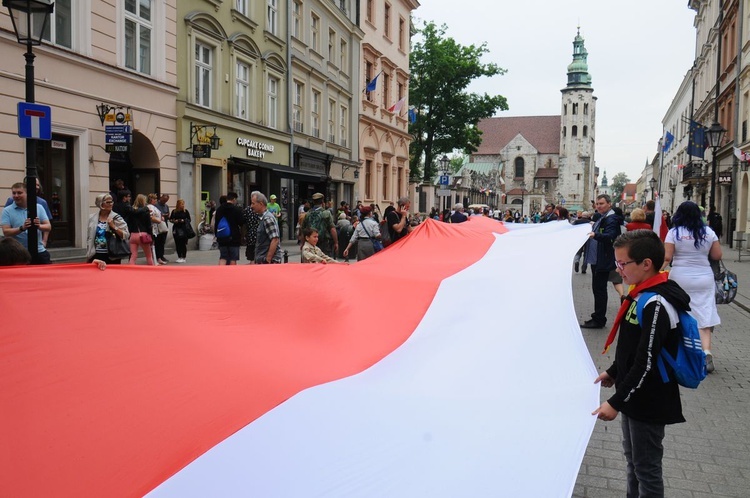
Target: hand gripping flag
point(309, 394)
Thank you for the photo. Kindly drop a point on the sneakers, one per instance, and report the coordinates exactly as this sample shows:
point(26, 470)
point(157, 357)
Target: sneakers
point(181, 260)
point(709, 362)
point(577, 266)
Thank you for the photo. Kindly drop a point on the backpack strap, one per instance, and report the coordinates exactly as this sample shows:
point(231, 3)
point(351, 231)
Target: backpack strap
point(643, 298)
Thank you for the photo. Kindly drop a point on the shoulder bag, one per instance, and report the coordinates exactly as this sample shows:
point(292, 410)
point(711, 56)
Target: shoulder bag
point(117, 248)
point(726, 283)
point(376, 244)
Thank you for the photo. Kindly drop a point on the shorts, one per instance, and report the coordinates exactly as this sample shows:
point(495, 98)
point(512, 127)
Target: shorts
point(229, 253)
point(614, 277)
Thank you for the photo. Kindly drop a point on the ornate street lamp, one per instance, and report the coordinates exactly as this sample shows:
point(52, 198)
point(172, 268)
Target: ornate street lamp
point(215, 140)
point(444, 162)
point(715, 135)
point(652, 182)
point(30, 19)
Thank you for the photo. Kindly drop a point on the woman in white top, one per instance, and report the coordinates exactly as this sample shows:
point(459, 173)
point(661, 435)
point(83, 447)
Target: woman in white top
point(688, 246)
point(364, 233)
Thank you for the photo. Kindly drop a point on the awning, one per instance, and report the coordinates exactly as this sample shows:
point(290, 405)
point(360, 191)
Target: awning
point(285, 171)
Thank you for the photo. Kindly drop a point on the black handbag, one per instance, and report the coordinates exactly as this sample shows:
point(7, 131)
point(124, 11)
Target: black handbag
point(117, 248)
point(189, 232)
point(726, 283)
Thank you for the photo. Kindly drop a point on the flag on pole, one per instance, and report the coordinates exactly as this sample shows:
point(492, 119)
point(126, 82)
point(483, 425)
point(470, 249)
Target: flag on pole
point(697, 140)
point(668, 139)
point(396, 108)
point(742, 156)
point(412, 115)
point(373, 84)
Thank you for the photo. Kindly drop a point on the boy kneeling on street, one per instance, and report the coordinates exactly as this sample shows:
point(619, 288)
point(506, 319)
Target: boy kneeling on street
point(646, 402)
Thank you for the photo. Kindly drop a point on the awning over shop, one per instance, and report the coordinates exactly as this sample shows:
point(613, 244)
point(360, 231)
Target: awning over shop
point(285, 171)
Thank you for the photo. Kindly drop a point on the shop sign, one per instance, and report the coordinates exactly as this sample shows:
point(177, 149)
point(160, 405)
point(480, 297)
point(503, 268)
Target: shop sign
point(201, 151)
point(255, 148)
point(110, 148)
point(725, 178)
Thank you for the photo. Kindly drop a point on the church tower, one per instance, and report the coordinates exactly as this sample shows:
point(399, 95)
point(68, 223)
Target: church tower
point(576, 176)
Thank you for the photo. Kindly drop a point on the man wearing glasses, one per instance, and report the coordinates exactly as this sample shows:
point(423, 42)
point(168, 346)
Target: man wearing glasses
point(601, 256)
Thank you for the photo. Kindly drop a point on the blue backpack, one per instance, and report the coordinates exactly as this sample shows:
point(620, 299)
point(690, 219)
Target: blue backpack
point(222, 229)
point(689, 366)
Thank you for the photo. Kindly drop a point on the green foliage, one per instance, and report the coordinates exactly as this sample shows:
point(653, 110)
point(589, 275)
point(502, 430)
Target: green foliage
point(618, 184)
point(441, 70)
point(457, 163)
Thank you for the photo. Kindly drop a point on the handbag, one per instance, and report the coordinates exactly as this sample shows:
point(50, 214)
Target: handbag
point(725, 283)
point(376, 244)
point(146, 238)
point(161, 227)
point(117, 248)
point(189, 232)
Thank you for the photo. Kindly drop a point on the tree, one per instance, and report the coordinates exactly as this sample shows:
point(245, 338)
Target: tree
point(447, 115)
point(457, 162)
point(617, 185)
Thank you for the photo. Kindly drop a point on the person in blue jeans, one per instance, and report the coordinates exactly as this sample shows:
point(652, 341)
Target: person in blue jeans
point(646, 402)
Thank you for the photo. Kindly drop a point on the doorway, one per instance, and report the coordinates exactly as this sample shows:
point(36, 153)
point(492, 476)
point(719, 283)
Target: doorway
point(55, 173)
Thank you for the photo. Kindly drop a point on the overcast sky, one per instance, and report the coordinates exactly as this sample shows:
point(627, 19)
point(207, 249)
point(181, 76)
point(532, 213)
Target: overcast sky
point(639, 53)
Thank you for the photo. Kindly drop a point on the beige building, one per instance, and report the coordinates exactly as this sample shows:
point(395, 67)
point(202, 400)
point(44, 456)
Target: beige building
point(383, 121)
point(100, 59)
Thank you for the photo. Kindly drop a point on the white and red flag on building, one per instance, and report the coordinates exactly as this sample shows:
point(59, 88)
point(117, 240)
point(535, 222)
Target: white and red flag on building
point(396, 108)
point(412, 373)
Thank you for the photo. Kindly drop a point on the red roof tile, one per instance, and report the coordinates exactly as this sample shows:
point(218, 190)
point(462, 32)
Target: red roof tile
point(543, 132)
point(629, 189)
point(547, 173)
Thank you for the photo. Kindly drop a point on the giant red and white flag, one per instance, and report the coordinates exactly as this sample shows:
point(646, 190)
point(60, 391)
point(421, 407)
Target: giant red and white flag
point(450, 364)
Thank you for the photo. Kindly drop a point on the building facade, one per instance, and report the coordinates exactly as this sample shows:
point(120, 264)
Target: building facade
point(548, 159)
point(383, 120)
point(102, 64)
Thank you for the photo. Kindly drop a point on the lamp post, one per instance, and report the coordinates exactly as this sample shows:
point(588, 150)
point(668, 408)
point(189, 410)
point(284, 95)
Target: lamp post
point(444, 164)
point(715, 136)
point(652, 182)
point(29, 22)
point(523, 195)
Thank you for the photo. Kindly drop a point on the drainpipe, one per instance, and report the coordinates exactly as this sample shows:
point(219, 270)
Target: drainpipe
point(291, 217)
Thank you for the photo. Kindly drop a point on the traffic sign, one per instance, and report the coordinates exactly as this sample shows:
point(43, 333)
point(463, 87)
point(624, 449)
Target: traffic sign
point(34, 121)
point(445, 180)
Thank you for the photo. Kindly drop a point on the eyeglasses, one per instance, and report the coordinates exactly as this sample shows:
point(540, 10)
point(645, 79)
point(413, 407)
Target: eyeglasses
point(621, 266)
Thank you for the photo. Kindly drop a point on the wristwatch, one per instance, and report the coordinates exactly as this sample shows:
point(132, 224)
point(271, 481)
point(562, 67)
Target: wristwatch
point(21, 229)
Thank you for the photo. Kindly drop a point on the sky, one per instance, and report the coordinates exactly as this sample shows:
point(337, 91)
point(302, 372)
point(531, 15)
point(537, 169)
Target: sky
point(638, 55)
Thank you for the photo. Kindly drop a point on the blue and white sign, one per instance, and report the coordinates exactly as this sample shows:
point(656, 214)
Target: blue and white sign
point(117, 138)
point(117, 129)
point(34, 121)
point(445, 180)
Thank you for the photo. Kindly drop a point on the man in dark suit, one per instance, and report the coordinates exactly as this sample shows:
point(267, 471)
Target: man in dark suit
point(601, 256)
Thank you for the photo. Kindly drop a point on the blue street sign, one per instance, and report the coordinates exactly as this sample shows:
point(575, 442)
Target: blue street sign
point(117, 138)
point(116, 129)
point(445, 180)
point(34, 121)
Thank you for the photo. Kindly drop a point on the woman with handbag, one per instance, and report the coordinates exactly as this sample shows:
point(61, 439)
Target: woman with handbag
point(107, 234)
point(182, 229)
point(689, 245)
point(139, 225)
point(158, 229)
point(366, 235)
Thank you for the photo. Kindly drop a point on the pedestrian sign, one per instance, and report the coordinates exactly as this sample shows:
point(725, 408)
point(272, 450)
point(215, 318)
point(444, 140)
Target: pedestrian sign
point(34, 121)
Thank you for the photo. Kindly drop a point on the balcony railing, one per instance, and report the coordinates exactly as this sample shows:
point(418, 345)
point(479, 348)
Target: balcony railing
point(693, 171)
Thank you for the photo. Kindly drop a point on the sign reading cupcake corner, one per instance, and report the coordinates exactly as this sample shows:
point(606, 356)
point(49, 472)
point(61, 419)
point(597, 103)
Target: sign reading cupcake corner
point(255, 148)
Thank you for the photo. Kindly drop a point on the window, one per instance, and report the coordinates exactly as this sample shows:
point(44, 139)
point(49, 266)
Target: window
point(386, 179)
point(574, 131)
point(386, 90)
point(138, 29)
point(272, 17)
point(565, 109)
point(585, 131)
point(368, 13)
point(332, 121)
point(585, 108)
point(369, 70)
point(331, 46)
point(343, 55)
point(316, 114)
point(60, 25)
point(387, 21)
point(203, 74)
point(241, 6)
point(297, 22)
point(342, 125)
point(368, 179)
point(402, 34)
point(400, 90)
point(315, 32)
point(519, 166)
point(298, 107)
point(273, 102)
point(564, 132)
point(575, 109)
point(242, 91)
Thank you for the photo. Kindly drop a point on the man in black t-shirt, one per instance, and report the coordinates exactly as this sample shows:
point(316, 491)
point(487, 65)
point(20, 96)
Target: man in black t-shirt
point(229, 247)
point(398, 220)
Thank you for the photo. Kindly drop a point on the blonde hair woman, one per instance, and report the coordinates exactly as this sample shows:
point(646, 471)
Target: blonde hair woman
point(103, 221)
point(139, 224)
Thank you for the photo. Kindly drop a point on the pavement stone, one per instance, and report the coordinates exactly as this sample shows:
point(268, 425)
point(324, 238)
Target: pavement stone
point(709, 455)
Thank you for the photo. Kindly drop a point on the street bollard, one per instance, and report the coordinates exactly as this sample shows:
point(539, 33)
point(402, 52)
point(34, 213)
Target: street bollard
point(286, 256)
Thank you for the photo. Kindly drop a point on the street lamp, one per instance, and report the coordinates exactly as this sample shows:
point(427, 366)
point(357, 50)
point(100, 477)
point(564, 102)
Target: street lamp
point(29, 22)
point(652, 182)
point(523, 195)
point(715, 136)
